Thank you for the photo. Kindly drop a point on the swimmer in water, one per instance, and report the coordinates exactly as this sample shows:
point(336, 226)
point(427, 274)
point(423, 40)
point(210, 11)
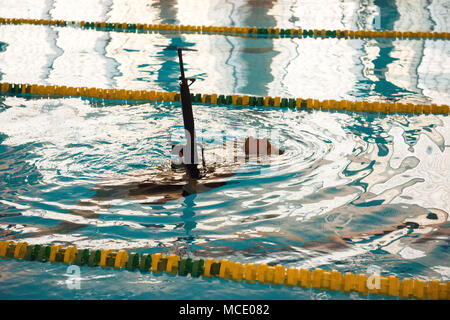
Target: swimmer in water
point(251, 147)
point(167, 185)
point(159, 186)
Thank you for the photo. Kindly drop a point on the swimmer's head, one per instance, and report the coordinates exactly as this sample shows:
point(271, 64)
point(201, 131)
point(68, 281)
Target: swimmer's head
point(261, 147)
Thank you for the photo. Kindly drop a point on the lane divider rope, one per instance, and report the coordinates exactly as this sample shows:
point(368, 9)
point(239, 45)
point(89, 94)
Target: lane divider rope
point(248, 31)
point(217, 99)
point(227, 270)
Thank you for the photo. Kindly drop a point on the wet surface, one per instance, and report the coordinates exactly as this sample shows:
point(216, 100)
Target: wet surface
point(352, 190)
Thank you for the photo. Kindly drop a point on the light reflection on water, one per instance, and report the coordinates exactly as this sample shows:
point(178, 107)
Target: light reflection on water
point(344, 183)
point(351, 190)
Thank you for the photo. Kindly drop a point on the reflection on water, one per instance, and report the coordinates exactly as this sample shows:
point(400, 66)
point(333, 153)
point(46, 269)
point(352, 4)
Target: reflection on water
point(379, 69)
point(351, 190)
point(351, 184)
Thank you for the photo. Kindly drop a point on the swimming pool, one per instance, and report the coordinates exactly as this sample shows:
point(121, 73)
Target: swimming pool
point(342, 177)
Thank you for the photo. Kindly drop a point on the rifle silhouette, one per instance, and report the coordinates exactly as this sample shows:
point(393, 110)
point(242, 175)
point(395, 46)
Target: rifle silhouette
point(190, 155)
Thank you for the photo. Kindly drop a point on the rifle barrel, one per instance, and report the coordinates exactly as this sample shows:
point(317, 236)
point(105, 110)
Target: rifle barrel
point(180, 57)
point(188, 121)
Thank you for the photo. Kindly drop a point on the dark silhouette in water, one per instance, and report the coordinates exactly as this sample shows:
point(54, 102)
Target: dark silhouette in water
point(183, 179)
point(159, 185)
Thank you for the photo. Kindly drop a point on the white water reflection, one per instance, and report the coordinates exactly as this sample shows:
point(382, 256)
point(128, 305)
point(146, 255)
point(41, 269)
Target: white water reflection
point(87, 10)
point(27, 53)
point(348, 187)
point(405, 69)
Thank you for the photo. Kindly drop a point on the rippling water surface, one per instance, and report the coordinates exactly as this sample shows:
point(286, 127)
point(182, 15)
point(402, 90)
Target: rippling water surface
point(352, 190)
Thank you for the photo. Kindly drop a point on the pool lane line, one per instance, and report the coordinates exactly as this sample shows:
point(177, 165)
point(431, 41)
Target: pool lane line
point(227, 270)
point(219, 99)
point(232, 31)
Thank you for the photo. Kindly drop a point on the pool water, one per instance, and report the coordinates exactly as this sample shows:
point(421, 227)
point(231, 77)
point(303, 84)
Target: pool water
point(352, 191)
